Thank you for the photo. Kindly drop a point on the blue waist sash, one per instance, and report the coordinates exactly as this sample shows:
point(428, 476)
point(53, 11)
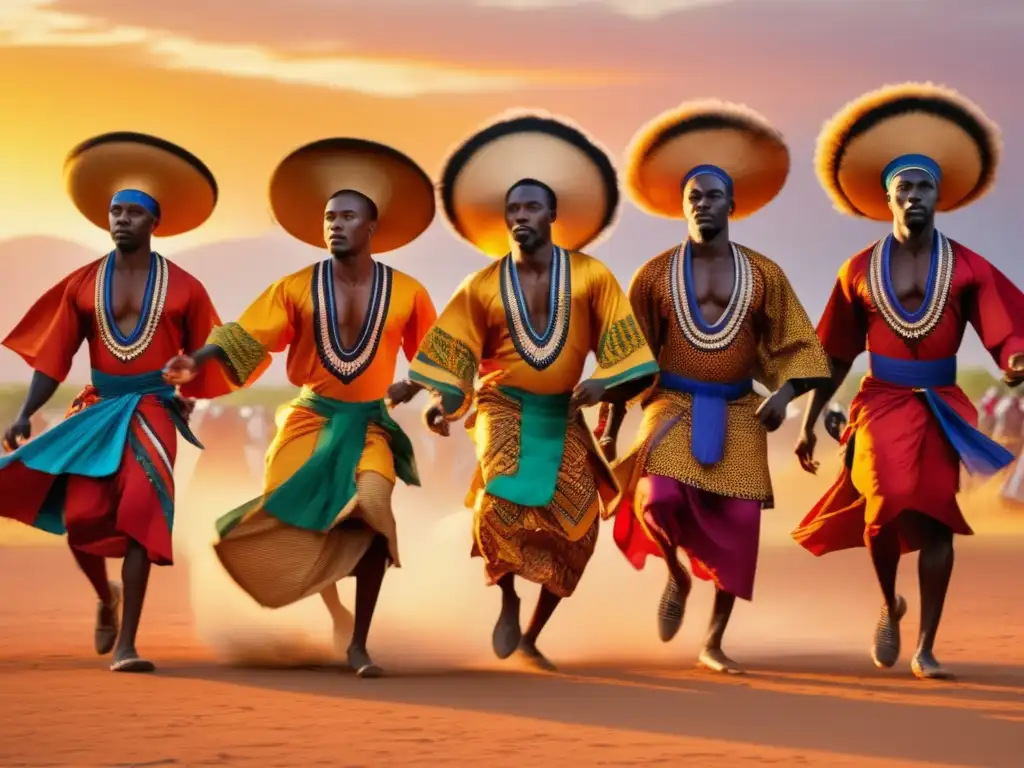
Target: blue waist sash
point(708, 413)
point(91, 442)
point(979, 454)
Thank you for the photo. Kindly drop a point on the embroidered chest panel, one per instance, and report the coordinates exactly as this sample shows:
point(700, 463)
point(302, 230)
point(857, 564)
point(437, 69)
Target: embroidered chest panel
point(911, 326)
point(538, 350)
point(347, 364)
point(127, 348)
point(686, 310)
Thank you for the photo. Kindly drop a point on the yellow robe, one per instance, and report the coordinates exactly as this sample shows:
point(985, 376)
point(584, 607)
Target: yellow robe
point(767, 338)
point(484, 332)
point(276, 563)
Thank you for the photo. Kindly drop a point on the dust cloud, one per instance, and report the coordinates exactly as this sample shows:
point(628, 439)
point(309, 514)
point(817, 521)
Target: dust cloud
point(436, 612)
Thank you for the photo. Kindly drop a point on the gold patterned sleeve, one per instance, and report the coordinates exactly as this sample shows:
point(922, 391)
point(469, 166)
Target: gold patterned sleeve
point(620, 346)
point(449, 355)
point(266, 327)
point(789, 348)
point(646, 307)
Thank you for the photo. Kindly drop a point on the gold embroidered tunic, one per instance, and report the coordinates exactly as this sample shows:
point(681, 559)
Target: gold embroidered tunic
point(764, 335)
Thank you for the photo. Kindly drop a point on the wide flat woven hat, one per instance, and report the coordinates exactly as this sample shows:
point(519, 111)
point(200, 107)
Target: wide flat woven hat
point(728, 136)
point(305, 180)
point(99, 168)
point(926, 123)
point(517, 146)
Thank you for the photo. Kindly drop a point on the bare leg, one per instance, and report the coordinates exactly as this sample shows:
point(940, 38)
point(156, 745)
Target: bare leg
point(712, 657)
point(507, 631)
point(546, 605)
point(369, 575)
point(935, 567)
point(341, 617)
point(884, 548)
point(95, 569)
point(108, 608)
point(135, 574)
point(672, 606)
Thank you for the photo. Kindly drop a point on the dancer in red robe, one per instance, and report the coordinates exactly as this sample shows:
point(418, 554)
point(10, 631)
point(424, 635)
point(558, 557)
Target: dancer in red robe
point(105, 474)
point(899, 154)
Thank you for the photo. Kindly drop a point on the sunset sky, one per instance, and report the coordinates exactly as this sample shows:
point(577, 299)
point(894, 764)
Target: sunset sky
point(242, 84)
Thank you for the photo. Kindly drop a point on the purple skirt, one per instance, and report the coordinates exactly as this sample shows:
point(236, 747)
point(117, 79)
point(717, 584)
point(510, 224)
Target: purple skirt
point(720, 534)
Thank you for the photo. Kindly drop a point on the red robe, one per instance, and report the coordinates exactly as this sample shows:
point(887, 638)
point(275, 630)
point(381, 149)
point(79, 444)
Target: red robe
point(901, 459)
point(101, 514)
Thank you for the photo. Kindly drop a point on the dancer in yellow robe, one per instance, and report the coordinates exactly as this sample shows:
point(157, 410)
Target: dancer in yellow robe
point(326, 508)
point(524, 327)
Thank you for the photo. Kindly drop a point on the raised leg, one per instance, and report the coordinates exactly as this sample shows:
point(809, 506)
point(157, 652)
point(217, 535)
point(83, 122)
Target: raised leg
point(672, 605)
point(341, 618)
point(369, 575)
point(108, 608)
point(712, 656)
point(507, 630)
point(884, 548)
point(935, 567)
point(135, 574)
point(546, 605)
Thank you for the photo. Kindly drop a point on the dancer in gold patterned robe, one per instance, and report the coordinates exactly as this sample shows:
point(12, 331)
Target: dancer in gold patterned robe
point(521, 329)
point(718, 316)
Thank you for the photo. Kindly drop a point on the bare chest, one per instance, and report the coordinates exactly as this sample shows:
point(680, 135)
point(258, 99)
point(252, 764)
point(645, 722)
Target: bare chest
point(351, 307)
point(712, 283)
point(128, 297)
point(909, 275)
point(536, 289)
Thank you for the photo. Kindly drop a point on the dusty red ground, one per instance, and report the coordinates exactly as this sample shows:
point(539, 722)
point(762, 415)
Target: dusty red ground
point(60, 707)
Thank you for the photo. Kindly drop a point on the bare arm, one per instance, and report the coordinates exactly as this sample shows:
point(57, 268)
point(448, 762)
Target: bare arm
point(39, 393)
point(824, 392)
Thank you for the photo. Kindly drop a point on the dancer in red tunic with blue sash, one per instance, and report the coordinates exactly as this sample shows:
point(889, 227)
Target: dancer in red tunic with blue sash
point(105, 475)
point(900, 154)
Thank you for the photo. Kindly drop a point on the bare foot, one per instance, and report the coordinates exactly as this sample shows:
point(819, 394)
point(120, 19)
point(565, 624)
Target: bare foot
point(528, 653)
point(925, 666)
point(342, 632)
point(715, 660)
point(362, 664)
point(128, 660)
point(507, 630)
point(108, 621)
point(672, 607)
point(886, 650)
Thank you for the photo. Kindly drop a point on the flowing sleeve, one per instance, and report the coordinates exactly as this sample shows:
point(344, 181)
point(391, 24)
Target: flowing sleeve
point(620, 346)
point(265, 328)
point(449, 355)
point(647, 309)
point(788, 348)
point(843, 328)
point(51, 332)
point(200, 321)
point(996, 311)
point(419, 323)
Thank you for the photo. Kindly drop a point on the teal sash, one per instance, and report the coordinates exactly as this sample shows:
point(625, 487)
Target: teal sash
point(326, 482)
point(90, 443)
point(544, 422)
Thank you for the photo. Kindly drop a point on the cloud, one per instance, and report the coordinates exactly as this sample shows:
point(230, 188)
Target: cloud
point(37, 23)
point(635, 9)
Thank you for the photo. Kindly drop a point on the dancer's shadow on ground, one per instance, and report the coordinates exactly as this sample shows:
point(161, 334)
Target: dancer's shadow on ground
point(837, 704)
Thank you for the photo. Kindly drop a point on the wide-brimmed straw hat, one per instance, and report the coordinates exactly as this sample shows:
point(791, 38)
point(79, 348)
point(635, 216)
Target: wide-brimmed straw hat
point(913, 125)
point(717, 134)
point(99, 168)
point(517, 146)
point(305, 180)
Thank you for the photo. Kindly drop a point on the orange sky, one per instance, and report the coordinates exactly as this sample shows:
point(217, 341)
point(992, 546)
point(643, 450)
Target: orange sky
point(241, 84)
